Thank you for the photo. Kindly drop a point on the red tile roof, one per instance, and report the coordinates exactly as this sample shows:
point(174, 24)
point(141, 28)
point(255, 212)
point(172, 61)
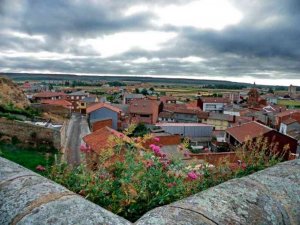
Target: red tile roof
point(286, 113)
point(60, 102)
point(214, 100)
point(100, 105)
point(248, 131)
point(144, 106)
point(183, 109)
point(102, 139)
point(48, 94)
point(289, 121)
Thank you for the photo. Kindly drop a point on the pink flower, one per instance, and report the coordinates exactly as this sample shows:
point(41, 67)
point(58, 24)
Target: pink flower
point(84, 148)
point(186, 154)
point(149, 164)
point(192, 175)
point(152, 146)
point(157, 139)
point(40, 168)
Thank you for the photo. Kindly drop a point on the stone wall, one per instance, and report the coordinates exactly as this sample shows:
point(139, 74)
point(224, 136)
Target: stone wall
point(271, 196)
point(25, 131)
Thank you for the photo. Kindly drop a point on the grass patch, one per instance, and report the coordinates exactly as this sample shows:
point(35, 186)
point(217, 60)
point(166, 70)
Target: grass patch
point(27, 157)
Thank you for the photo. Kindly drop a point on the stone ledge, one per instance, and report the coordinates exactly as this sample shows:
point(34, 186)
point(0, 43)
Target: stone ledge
point(271, 196)
point(28, 198)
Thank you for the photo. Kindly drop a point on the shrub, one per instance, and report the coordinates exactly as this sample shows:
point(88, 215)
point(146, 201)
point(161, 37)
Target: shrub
point(15, 140)
point(144, 178)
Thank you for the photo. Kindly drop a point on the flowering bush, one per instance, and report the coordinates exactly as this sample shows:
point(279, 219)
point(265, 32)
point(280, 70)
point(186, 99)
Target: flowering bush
point(146, 178)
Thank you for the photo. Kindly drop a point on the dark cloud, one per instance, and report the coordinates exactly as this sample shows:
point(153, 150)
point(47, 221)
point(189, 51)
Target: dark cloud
point(265, 44)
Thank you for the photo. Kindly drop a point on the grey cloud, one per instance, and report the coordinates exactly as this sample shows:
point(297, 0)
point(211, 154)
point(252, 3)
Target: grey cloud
point(267, 39)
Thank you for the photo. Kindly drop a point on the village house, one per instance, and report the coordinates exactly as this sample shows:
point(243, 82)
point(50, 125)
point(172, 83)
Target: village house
point(103, 112)
point(84, 103)
point(219, 121)
point(212, 104)
point(75, 98)
point(48, 95)
point(128, 97)
point(279, 117)
point(289, 125)
point(144, 111)
point(238, 135)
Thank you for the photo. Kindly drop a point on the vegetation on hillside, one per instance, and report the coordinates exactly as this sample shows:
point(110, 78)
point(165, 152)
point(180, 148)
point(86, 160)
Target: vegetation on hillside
point(11, 93)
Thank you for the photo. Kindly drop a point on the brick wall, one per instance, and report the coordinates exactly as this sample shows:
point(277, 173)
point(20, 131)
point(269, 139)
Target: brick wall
point(100, 124)
point(23, 131)
point(165, 140)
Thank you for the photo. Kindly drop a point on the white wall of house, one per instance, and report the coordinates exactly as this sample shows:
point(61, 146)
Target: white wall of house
point(211, 107)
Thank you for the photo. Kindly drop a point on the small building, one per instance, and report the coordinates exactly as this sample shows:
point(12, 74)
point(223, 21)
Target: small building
point(212, 104)
point(238, 135)
point(75, 98)
point(103, 111)
point(233, 97)
point(181, 113)
point(199, 134)
point(144, 111)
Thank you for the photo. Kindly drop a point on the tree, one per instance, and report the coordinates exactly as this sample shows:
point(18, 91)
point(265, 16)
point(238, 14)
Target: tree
point(144, 91)
point(271, 91)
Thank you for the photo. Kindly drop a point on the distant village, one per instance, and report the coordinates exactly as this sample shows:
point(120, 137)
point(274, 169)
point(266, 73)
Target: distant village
point(212, 123)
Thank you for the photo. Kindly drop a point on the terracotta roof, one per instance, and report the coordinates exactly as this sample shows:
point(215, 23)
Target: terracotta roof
point(99, 105)
point(214, 100)
point(183, 109)
point(183, 124)
point(60, 102)
point(102, 139)
point(164, 99)
point(143, 106)
point(220, 116)
point(192, 105)
point(248, 131)
point(286, 113)
point(48, 94)
point(289, 121)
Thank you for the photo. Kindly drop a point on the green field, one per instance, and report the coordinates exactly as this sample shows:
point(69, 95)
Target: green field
point(27, 157)
point(289, 103)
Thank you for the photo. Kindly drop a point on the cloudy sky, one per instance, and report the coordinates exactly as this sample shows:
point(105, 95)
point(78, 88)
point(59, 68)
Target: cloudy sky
point(237, 40)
